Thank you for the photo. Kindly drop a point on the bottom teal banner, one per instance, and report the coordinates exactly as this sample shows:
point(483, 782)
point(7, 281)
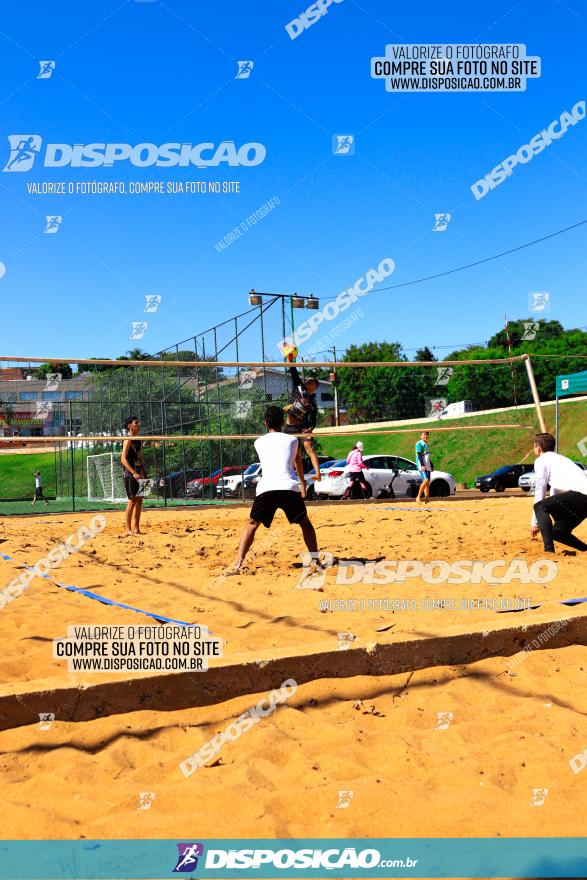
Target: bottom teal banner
point(365, 857)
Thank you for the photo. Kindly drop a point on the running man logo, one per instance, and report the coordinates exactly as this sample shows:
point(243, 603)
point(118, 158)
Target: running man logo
point(539, 795)
point(53, 222)
point(313, 575)
point(153, 301)
point(441, 222)
point(344, 799)
point(443, 375)
point(187, 860)
point(43, 409)
point(146, 799)
point(46, 719)
point(530, 330)
point(247, 377)
point(242, 408)
point(343, 145)
point(578, 762)
point(46, 69)
point(24, 149)
point(582, 446)
point(443, 720)
point(435, 406)
point(539, 301)
point(52, 381)
point(244, 69)
point(345, 640)
point(139, 328)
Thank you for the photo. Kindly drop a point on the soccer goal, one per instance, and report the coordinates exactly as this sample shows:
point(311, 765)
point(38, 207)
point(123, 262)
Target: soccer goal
point(105, 478)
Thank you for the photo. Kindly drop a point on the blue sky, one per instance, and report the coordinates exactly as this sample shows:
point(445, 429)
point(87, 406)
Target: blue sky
point(156, 72)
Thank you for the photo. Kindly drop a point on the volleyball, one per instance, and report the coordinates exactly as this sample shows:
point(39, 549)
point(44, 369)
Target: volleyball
point(290, 351)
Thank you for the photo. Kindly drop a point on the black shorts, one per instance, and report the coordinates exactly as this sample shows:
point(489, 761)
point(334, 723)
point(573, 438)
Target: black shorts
point(131, 486)
point(39, 492)
point(291, 502)
point(298, 429)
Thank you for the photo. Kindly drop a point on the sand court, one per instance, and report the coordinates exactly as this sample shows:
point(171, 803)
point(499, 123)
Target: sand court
point(491, 733)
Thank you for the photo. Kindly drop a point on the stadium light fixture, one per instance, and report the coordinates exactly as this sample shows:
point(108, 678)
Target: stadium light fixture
point(298, 302)
point(312, 303)
point(255, 299)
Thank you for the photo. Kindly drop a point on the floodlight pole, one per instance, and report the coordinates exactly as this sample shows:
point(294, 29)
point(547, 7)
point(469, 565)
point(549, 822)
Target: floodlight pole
point(534, 391)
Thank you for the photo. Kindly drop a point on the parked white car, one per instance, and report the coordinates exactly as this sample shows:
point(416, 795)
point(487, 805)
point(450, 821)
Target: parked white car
point(229, 487)
point(380, 474)
point(527, 482)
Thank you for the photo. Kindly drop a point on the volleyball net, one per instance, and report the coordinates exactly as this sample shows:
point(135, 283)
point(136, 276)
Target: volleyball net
point(199, 418)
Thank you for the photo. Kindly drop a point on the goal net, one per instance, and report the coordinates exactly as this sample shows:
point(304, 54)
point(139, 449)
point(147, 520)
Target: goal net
point(105, 478)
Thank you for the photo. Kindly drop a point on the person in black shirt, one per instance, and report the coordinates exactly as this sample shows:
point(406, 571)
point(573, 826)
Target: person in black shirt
point(302, 414)
point(134, 470)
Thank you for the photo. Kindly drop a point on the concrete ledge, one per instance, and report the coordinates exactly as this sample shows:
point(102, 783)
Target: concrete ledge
point(21, 703)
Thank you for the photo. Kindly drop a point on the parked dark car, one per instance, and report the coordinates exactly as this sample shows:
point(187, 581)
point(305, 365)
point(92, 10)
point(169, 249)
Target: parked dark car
point(174, 485)
point(505, 477)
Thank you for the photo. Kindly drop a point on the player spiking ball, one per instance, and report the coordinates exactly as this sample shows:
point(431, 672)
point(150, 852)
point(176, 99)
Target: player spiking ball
point(302, 414)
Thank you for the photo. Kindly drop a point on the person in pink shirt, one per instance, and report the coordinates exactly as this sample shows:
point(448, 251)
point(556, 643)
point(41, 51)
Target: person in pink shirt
point(356, 466)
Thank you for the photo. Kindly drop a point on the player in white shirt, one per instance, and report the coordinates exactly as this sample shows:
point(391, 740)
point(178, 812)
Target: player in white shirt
point(278, 487)
point(567, 504)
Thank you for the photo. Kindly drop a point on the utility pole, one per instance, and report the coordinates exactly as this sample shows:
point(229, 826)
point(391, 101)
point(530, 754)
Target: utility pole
point(336, 406)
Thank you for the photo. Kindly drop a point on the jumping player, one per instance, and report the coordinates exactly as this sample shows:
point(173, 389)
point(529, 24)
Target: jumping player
point(278, 488)
point(424, 466)
point(356, 466)
point(302, 414)
point(567, 504)
point(38, 489)
point(134, 470)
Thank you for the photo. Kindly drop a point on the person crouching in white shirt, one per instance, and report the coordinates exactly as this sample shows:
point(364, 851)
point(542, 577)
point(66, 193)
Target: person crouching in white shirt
point(556, 517)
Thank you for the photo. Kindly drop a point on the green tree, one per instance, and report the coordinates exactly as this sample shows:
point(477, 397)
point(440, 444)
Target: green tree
point(380, 393)
point(43, 370)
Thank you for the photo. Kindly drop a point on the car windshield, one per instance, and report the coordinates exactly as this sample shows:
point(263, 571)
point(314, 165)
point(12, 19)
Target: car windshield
point(336, 464)
point(503, 470)
point(251, 468)
point(215, 473)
